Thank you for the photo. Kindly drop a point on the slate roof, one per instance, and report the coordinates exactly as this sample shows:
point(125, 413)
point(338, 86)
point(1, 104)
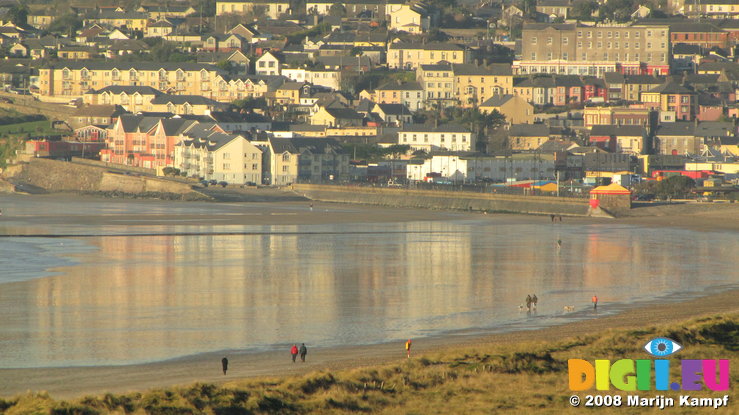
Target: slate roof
point(618, 130)
point(394, 109)
point(672, 87)
point(529, 130)
point(182, 99)
point(130, 90)
point(424, 128)
point(344, 113)
point(497, 100)
point(427, 46)
point(296, 145)
point(140, 66)
point(394, 86)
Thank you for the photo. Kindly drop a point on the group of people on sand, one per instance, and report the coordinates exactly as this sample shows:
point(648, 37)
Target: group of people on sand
point(531, 302)
point(294, 352)
point(302, 350)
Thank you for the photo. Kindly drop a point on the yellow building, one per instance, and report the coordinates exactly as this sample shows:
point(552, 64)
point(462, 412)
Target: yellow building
point(73, 79)
point(119, 18)
point(401, 55)
point(289, 93)
point(76, 53)
point(516, 109)
point(40, 21)
point(411, 18)
point(475, 84)
point(273, 8)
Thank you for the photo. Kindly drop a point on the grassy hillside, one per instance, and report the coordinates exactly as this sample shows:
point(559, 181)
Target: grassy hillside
point(521, 378)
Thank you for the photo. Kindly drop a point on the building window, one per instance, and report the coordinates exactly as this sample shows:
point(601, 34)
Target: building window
point(565, 40)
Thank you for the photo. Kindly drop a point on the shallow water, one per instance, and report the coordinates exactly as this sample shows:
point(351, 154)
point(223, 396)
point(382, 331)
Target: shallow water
point(131, 294)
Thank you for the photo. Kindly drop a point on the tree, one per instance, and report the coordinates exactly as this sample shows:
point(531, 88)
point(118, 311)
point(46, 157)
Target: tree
point(583, 9)
point(66, 24)
point(337, 10)
point(18, 14)
point(249, 104)
point(397, 150)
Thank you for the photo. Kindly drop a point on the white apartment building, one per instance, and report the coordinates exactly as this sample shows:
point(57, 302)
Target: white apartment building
point(221, 157)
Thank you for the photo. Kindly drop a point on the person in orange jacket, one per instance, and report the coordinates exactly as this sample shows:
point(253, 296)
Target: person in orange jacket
point(595, 302)
point(408, 348)
point(294, 352)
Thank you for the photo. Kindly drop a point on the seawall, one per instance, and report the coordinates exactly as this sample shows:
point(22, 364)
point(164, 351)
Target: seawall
point(469, 201)
point(60, 176)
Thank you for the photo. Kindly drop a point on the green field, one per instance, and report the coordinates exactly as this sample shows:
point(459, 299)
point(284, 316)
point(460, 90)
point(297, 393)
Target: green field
point(34, 128)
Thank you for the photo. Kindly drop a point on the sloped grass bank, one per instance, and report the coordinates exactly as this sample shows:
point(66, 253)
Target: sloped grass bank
point(520, 378)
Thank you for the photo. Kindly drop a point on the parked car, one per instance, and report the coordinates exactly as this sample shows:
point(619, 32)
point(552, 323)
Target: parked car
point(223, 184)
point(204, 183)
point(212, 182)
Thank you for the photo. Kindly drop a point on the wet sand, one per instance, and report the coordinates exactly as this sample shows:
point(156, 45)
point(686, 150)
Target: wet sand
point(76, 382)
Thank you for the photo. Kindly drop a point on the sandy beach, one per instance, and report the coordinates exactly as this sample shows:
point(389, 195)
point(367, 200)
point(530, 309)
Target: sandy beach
point(66, 383)
point(70, 383)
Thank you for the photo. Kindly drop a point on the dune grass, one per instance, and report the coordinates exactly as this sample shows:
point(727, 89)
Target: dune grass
point(521, 378)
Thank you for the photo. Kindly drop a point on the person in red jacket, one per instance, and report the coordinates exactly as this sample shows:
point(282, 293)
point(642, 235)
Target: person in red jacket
point(595, 302)
point(294, 352)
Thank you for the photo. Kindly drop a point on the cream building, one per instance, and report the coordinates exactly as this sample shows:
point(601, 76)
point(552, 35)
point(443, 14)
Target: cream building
point(68, 80)
point(222, 157)
point(431, 138)
point(515, 109)
point(409, 18)
point(272, 9)
point(401, 55)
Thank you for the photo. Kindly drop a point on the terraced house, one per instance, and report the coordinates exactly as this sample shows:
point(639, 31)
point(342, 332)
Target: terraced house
point(59, 83)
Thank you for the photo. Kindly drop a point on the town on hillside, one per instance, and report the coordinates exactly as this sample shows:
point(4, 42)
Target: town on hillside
point(531, 96)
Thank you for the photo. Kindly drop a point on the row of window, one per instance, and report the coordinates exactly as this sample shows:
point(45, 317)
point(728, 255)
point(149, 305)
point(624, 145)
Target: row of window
point(442, 138)
point(134, 74)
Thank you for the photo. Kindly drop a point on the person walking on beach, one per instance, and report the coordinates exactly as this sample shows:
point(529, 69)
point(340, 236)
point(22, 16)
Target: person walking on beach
point(408, 348)
point(303, 352)
point(311, 207)
point(534, 300)
point(559, 243)
point(224, 363)
point(552, 216)
point(528, 302)
point(595, 302)
point(294, 352)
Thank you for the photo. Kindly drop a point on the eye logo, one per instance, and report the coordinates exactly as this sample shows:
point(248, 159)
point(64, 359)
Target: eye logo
point(661, 347)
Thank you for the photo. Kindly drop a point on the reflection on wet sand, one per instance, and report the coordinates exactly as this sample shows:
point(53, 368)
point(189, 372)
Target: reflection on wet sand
point(148, 298)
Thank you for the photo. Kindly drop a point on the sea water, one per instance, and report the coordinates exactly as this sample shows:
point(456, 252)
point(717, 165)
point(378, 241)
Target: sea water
point(105, 294)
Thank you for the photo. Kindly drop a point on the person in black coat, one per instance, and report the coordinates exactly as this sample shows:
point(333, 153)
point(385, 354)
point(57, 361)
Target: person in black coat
point(224, 363)
point(303, 352)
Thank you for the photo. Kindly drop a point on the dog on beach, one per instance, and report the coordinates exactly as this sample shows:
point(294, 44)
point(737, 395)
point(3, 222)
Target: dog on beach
point(569, 308)
point(520, 307)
